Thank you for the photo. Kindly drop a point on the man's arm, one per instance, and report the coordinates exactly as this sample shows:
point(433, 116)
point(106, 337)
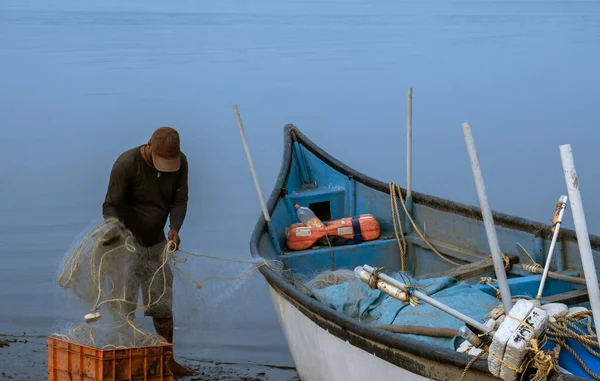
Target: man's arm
point(180, 198)
point(116, 192)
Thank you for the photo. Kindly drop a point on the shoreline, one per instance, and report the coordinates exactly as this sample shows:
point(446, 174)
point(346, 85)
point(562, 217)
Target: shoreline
point(24, 357)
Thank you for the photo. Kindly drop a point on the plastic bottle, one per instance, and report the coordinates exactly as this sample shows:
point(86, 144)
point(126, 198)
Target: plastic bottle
point(307, 217)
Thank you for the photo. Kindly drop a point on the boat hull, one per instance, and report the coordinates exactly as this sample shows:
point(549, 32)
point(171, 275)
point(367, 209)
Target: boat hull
point(319, 354)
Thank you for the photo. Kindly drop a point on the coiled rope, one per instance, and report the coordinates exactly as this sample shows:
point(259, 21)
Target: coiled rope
point(558, 332)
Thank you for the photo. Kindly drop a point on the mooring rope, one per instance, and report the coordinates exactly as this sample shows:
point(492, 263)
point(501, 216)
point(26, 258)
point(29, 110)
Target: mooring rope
point(399, 194)
point(397, 221)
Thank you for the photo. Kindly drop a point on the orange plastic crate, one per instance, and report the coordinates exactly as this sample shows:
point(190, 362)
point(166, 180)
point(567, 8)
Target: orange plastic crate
point(75, 362)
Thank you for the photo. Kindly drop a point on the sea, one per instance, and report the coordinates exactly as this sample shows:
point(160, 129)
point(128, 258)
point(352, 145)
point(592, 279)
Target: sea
point(83, 81)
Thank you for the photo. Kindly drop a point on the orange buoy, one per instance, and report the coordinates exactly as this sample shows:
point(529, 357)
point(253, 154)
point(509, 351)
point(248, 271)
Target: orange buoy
point(345, 231)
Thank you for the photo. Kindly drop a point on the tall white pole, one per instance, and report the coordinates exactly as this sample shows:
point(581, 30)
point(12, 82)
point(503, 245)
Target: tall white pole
point(249, 157)
point(583, 238)
point(409, 143)
point(563, 204)
point(488, 219)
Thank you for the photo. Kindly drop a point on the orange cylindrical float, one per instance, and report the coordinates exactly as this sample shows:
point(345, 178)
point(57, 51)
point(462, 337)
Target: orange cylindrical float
point(345, 231)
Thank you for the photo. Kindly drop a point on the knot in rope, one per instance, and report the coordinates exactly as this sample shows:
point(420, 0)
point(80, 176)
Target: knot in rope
point(410, 290)
point(489, 281)
point(531, 267)
point(506, 260)
point(543, 361)
point(374, 278)
point(171, 247)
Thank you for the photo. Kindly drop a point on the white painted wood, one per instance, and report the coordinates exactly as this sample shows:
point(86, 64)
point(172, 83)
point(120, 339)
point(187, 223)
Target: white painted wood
point(409, 142)
point(261, 198)
point(488, 218)
point(583, 238)
point(320, 356)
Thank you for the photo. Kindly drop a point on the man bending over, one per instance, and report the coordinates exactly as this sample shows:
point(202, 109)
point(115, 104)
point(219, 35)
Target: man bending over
point(147, 185)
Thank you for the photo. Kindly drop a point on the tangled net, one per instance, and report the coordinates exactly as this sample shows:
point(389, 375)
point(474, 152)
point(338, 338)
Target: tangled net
point(96, 272)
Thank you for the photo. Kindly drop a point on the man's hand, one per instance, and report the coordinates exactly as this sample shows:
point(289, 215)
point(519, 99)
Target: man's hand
point(174, 236)
point(113, 234)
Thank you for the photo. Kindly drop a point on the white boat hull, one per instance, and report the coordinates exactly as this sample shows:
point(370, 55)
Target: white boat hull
point(319, 355)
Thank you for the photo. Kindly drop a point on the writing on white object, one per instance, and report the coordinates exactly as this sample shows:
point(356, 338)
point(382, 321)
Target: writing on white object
point(344, 231)
point(303, 233)
point(511, 341)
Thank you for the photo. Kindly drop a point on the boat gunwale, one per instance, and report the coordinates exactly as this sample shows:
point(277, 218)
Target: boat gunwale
point(445, 356)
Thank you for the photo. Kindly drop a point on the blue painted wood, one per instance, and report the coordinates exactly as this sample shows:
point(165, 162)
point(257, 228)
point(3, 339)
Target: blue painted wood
point(559, 258)
point(409, 206)
point(349, 197)
point(528, 286)
point(301, 163)
point(351, 207)
point(311, 175)
point(540, 256)
point(274, 237)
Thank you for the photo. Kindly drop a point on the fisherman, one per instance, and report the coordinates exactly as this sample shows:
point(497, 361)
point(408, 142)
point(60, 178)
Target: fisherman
point(147, 185)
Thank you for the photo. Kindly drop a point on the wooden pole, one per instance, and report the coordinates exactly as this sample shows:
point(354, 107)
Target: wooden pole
point(263, 204)
point(409, 143)
point(251, 163)
point(583, 238)
point(488, 219)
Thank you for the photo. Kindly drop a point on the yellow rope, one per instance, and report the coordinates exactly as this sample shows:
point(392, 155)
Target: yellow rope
point(473, 360)
point(397, 221)
point(559, 332)
point(488, 281)
point(399, 192)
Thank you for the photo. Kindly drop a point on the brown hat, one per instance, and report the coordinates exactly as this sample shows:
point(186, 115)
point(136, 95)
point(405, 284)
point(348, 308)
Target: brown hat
point(165, 149)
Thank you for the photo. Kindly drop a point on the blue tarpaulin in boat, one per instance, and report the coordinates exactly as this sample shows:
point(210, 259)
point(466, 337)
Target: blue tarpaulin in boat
point(355, 299)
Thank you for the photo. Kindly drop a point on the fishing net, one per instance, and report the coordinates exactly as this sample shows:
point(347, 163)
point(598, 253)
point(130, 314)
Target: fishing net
point(105, 270)
point(100, 273)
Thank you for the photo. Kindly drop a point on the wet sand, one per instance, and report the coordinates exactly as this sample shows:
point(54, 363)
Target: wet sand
point(25, 358)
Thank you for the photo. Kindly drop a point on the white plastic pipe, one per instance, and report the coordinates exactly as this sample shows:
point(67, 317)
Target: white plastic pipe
point(409, 143)
point(249, 157)
point(563, 204)
point(488, 219)
point(421, 296)
point(583, 238)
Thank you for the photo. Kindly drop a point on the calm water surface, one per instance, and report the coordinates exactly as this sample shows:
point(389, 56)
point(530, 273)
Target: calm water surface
point(83, 81)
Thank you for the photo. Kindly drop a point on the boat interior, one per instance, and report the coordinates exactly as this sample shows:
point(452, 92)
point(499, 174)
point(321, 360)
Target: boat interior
point(333, 191)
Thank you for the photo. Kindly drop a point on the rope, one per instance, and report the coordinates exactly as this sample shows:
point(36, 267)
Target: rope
point(410, 290)
point(532, 267)
point(99, 274)
point(506, 260)
point(374, 277)
point(399, 193)
point(488, 281)
point(558, 332)
point(396, 219)
point(543, 361)
point(473, 360)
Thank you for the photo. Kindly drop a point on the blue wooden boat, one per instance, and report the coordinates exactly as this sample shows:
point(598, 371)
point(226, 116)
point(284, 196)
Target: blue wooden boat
point(334, 337)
